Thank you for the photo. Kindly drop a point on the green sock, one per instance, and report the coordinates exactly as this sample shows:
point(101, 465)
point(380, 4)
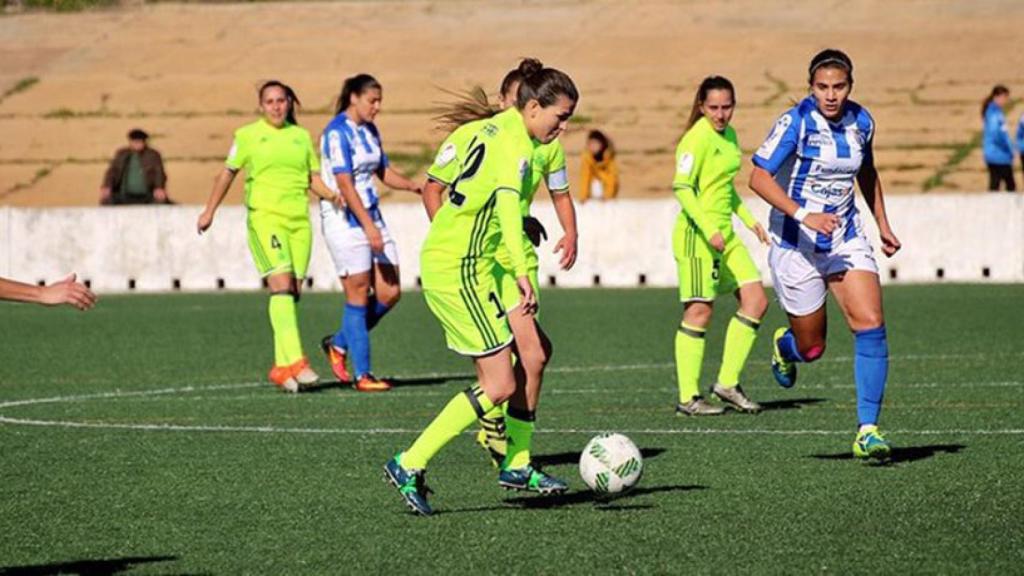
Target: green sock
point(739, 339)
point(689, 356)
point(460, 412)
point(285, 322)
point(493, 423)
point(519, 428)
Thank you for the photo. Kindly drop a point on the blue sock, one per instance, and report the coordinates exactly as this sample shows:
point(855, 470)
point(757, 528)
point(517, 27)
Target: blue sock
point(374, 312)
point(357, 337)
point(787, 346)
point(870, 370)
point(339, 340)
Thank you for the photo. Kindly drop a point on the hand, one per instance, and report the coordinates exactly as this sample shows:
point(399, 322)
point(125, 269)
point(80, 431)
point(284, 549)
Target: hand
point(534, 230)
point(717, 242)
point(205, 221)
point(339, 201)
point(373, 235)
point(527, 299)
point(821, 222)
point(105, 196)
point(567, 246)
point(417, 190)
point(758, 231)
point(160, 195)
point(890, 244)
point(67, 291)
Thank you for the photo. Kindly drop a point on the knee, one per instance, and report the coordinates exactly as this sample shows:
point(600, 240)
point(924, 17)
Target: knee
point(499, 391)
point(389, 298)
point(534, 356)
point(755, 307)
point(867, 321)
point(812, 350)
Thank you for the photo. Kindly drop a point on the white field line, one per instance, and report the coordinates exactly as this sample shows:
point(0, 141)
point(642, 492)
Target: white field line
point(565, 369)
point(381, 431)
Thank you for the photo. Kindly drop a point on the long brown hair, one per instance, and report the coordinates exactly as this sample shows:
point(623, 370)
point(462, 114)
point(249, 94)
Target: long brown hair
point(710, 83)
point(355, 85)
point(289, 94)
point(997, 90)
point(536, 82)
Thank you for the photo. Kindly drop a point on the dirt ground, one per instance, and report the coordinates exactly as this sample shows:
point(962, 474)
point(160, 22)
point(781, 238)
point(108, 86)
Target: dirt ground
point(187, 73)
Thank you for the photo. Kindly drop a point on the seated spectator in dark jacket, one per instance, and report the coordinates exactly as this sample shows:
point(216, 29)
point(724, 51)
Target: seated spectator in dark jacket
point(136, 174)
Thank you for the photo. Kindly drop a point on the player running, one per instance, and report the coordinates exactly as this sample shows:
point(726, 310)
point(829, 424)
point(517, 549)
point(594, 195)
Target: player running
point(806, 170)
point(533, 347)
point(458, 273)
point(712, 259)
point(280, 165)
point(363, 251)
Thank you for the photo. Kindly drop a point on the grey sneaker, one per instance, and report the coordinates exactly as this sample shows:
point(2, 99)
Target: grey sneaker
point(306, 377)
point(698, 406)
point(735, 398)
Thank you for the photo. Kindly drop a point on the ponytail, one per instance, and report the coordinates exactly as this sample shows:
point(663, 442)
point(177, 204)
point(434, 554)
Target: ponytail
point(542, 84)
point(997, 90)
point(289, 94)
point(355, 85)
point(710, 83)
point(468, 107)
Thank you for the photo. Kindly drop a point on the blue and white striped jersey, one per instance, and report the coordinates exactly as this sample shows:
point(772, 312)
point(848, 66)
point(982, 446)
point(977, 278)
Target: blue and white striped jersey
point(350, 148)
point(816, 161)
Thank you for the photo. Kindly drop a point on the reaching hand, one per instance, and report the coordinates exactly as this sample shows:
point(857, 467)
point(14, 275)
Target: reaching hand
point(568, 246)
point(69, 292)
point(758, 231)
point(717, 242)
point(205, 221)
point(821, 222)
point(527, 299)
point(376, 240)
point(890, 244)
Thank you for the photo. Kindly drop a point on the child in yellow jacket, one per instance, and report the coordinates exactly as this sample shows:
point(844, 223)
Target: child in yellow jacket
point(599, 172)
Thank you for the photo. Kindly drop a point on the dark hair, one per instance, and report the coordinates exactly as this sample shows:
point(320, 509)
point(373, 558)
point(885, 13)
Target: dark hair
point(606, 144)
point(289, 94)
point(542, 84)
point(355, 85)
point(515, 75)
point(830, 58)
point(997, 90)
point(710, 83)
point(138, 134)
point(467, 107)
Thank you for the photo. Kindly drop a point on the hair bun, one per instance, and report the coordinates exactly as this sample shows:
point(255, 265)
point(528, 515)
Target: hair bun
point(530, 66)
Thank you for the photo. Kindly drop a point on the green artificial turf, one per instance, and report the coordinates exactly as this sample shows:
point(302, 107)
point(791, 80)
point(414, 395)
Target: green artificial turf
point(161, 449)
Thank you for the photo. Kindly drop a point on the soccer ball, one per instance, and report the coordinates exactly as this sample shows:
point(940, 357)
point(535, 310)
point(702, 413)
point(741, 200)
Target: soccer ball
point(611, 464)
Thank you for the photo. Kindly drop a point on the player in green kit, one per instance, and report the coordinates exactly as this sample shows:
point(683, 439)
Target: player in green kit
point(533, 348)
point(712, 260)
point(457, 267)
point(281, 165)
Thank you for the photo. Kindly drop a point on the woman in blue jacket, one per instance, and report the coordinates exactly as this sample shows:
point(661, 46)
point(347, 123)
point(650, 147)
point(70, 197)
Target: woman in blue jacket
point(996, 140)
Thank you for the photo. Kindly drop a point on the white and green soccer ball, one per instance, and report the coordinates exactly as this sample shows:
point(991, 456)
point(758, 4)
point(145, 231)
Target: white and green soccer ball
point(611, 464)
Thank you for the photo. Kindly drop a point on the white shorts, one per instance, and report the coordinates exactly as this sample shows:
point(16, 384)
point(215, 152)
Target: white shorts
point(799, 277)
point(349, 247)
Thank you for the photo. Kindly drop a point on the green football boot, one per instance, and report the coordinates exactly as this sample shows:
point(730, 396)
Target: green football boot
point(530, 479)
point(870, 444)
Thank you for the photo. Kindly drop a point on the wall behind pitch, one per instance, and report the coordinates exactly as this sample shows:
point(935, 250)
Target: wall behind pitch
point(948, 237)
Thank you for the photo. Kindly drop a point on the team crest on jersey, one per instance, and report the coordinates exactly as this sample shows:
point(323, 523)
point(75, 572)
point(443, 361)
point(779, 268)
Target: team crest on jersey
point(445, 155)
point(770, 143)
point(334, 144)
point(685, 164)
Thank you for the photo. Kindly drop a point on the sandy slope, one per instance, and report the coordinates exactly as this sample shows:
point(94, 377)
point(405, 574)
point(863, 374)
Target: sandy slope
point(187, 74)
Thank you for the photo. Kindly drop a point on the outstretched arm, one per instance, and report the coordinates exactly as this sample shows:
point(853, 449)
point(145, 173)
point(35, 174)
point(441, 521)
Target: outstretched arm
point(67, 291)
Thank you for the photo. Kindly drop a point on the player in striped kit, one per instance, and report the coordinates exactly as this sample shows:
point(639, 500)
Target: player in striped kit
point(807, 169)
point(364, 254)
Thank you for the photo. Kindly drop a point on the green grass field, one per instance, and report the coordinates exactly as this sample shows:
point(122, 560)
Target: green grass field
point(141, 438)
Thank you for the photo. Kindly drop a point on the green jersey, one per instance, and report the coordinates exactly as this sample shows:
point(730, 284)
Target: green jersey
point(277, 164)
point(707, 161)
point(493, 158)
point(547, 164)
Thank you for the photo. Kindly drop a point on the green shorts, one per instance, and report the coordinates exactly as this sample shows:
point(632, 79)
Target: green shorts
point(279, 245)
point(508, 290)
point(705, 273)
point(467, 303)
